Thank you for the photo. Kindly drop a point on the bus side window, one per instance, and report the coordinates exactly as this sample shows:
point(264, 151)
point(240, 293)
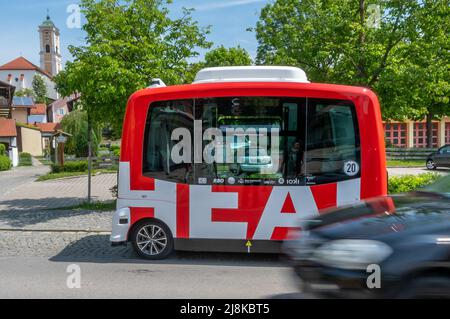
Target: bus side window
point(333, 147)
point(163, 118)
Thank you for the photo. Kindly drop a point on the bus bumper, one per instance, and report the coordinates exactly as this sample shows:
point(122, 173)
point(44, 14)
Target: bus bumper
point(120, 226)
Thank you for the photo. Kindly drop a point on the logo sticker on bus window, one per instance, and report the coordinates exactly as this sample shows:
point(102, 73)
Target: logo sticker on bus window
point(351, 168)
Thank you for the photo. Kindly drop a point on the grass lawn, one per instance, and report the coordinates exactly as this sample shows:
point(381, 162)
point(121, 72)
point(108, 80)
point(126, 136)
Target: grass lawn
point(51, 175)
point(94, 206)
point(44, 160)
point(405, 163)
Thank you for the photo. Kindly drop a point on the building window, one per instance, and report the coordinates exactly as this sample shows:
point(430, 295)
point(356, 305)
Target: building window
point(47, 48)
point(420, 135)
point(395, 134)
point(60, 111)
point(447, 133)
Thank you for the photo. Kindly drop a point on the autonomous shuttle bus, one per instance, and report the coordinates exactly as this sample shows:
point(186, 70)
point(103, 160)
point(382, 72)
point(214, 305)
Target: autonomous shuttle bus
point(233, 161)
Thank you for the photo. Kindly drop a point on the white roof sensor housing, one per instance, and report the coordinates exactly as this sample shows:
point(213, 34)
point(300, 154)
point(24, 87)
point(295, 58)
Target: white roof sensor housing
point(251, 74)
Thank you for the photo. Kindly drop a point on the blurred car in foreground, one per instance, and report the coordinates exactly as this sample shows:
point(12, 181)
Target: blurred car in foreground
point(441, 158)
point(407, 236)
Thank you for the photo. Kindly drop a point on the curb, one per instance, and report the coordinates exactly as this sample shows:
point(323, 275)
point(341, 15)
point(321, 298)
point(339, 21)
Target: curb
point(73, 177)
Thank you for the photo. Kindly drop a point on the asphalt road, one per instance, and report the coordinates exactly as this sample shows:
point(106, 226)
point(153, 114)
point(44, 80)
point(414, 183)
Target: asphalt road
point(189, 276)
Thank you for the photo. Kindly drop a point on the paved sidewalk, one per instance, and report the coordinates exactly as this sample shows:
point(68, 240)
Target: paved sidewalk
point(26, 207)
point(38, 196)
point(17, 176)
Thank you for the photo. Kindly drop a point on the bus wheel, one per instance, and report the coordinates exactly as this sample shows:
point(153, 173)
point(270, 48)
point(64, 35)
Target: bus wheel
point(152, 239)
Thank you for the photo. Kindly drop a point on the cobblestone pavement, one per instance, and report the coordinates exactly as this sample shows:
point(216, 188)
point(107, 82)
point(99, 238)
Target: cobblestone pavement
point(68, 220)
point(29, 228)
point(95, 247)
point(59, 245)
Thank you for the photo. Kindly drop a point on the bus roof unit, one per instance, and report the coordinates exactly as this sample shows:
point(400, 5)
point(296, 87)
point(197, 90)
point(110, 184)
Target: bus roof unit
point(251, 74)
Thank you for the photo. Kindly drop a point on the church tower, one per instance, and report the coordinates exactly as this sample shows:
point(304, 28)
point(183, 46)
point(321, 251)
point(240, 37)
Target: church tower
point(50, 49)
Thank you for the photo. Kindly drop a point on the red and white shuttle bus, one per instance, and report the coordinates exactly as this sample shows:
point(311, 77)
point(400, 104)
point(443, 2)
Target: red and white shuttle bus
point(240, 156)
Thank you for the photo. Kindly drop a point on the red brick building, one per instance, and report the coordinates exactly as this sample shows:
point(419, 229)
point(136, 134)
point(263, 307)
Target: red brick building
point(412, 134)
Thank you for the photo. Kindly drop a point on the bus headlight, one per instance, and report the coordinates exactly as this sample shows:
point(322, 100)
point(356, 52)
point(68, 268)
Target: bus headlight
point(352, 253)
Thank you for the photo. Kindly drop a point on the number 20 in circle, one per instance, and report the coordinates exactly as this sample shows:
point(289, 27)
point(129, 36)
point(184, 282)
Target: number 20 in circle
point(351, 168)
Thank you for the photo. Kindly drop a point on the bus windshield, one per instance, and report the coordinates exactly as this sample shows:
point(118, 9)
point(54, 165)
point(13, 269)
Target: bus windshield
point(252, 141)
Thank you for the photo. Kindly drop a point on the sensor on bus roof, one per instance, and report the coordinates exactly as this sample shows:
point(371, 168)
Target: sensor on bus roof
point(251, 74)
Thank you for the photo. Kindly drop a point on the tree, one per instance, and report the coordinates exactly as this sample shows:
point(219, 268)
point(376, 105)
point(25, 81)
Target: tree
point(127, 44)
point(76, 124)
point(367, 42)
point(424, 73)
point(25, 92)
point(221, 56)
point(39, 89)
point(336, 41)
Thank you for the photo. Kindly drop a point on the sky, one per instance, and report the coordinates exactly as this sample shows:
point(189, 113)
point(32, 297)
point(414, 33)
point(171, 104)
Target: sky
point(19, 36)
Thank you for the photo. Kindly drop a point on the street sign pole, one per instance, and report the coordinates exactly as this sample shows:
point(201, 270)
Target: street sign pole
point(89, 157)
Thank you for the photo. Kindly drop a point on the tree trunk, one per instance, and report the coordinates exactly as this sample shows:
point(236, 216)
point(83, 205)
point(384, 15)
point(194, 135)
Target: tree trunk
point(430, 129)
point(89, 157)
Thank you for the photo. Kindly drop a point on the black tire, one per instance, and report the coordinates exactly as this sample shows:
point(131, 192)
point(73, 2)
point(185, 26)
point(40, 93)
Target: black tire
point(430, 164)
point(149, 251)
point(426, 288)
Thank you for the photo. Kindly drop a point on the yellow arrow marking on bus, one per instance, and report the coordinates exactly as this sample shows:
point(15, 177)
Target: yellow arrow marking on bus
point(248, 244)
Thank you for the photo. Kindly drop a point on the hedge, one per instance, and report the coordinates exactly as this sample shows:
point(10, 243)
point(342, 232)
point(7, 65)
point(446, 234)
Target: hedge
point(25, 159)
point(408, 183)
point(5, 163)
point(115, 149)
point(75, 166)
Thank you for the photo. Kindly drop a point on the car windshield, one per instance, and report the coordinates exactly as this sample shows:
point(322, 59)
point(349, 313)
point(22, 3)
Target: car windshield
point(441, 186)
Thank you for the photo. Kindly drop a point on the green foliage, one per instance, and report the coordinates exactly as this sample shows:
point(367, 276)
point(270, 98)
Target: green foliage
point(116, 152)
point(127, 44)
point(5, 163)
point(2, 149)
point(405, 163)
point(39, 89)
point(25, 159)
point(115, 149)
point(407, 183)
point(75, 166)
point(419, 84)
point(220, 56)
point(25, 92)
point(404, 56)
point(94, 206)
point(75, 123)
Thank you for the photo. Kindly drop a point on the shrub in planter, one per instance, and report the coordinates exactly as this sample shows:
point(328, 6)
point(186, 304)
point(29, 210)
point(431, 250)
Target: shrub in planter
point(408, 183)
point(75, 166)
point(5, 163)
point(25, 159)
